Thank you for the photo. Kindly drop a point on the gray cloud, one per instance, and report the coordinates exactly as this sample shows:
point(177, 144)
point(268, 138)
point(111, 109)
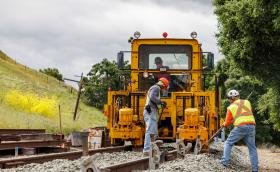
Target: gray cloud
point(73, 35)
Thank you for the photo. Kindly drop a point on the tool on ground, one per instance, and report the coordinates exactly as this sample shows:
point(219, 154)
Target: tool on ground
point(213, 136)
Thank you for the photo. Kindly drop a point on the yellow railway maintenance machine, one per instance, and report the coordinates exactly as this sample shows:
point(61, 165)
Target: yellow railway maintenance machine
point(192, 113)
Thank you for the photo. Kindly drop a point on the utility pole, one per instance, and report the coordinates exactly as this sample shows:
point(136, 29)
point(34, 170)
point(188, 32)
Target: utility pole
point(80, 83)
point(60, 125)
point(78, 97)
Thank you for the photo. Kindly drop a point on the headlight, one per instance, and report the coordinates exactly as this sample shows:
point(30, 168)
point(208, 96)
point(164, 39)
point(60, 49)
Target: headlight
point(137, 34)
point(130, 40)
point(193, 35)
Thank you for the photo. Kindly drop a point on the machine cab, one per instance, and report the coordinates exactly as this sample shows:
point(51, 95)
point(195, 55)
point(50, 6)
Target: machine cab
point(178, 60)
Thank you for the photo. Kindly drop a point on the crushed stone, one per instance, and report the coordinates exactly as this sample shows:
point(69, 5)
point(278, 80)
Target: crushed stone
point(202, 162)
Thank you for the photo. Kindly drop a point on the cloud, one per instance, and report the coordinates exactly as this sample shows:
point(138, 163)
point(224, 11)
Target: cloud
point(73, 35)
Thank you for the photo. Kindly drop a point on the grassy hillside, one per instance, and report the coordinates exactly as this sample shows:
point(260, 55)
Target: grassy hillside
point(14, 76)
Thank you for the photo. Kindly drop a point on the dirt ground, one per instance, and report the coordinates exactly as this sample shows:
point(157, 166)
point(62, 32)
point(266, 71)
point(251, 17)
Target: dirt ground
point(268, 160)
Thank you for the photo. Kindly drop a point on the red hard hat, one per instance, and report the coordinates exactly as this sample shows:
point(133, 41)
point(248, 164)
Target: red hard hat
point(164, 81)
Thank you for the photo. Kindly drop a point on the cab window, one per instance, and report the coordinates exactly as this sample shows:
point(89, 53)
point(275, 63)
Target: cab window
point(171, 57)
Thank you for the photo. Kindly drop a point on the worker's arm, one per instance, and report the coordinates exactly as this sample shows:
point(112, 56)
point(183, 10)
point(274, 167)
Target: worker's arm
point(154, 95)
point(229, 118)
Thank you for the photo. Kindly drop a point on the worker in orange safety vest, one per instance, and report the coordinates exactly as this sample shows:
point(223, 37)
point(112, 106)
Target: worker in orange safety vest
point(239, 113)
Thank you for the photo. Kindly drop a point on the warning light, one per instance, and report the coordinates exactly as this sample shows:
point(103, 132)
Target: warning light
point(164, 34)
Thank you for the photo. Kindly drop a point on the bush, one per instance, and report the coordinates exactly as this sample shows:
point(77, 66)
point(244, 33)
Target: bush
point(54, 72)
point(33, 103)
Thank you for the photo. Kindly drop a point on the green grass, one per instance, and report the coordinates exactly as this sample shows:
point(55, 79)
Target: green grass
point(14, 76)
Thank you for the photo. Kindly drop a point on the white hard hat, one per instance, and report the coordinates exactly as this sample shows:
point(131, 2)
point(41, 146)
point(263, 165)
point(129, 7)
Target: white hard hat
point(232, 93)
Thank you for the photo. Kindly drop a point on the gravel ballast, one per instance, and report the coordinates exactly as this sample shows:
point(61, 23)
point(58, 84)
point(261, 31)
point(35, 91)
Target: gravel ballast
point(62, 165)
point(207, 162)
point(191, 162)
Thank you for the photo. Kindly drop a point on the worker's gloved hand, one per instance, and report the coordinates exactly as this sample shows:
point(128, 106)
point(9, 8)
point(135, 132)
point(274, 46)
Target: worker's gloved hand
point(163, 104)
point(148, 109)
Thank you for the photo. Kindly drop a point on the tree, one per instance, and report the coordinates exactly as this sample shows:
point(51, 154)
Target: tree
point(249, 34)
point(231, 77)
point(268, 106)
point(52, 72)
point(249, 37)
point(102, 77)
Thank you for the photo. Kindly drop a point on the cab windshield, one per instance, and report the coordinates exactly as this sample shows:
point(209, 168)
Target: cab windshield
point(165, 56)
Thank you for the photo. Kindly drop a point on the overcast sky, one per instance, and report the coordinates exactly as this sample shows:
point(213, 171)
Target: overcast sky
point(72, 35)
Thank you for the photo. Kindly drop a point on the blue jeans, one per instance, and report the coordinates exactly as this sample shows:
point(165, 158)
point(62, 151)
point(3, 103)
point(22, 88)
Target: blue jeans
point(151, 127)
point(247, 134)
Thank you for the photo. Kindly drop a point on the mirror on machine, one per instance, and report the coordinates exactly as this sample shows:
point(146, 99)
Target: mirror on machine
point(120, 60)
point(208, 60)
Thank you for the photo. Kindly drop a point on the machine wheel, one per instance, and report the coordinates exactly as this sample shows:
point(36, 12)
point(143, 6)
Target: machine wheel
point(154, 156)
point(181, 148)
point(198, 146)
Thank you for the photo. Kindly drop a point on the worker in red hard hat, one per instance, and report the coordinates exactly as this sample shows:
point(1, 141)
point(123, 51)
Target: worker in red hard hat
point(151, 115)
point(165, 83)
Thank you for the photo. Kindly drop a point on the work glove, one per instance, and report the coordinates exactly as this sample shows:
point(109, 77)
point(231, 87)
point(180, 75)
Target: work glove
point(163, 104)
point(148, 109)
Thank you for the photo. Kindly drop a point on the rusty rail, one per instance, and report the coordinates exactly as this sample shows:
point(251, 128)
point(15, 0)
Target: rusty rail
point(140, 164)
point(21, 131)
point(30, 144)
point(14, 162)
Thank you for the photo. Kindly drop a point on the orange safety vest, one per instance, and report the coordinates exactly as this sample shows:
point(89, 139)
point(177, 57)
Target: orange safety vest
point(241, 112)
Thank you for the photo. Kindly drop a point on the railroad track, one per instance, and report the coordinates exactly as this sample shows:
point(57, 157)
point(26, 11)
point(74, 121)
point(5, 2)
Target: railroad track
point(156, 157)
point(152, 162)
point(139, 164)
point(22, 131)
point(32, 144)
point(18, 161)
point(30, 139)
point(142, 163)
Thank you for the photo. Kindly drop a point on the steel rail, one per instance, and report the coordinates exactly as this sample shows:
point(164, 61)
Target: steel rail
point(14, 162)
point(21, 131)
point(140, 164)
point(30, 144)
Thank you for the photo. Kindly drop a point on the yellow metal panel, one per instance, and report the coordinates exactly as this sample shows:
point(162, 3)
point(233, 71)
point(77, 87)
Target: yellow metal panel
point(125, 116)
point(191, 116)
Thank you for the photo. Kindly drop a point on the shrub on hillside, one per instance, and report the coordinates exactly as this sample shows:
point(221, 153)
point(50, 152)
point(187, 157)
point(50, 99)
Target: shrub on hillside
point(33, 103)
point(54, 72)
